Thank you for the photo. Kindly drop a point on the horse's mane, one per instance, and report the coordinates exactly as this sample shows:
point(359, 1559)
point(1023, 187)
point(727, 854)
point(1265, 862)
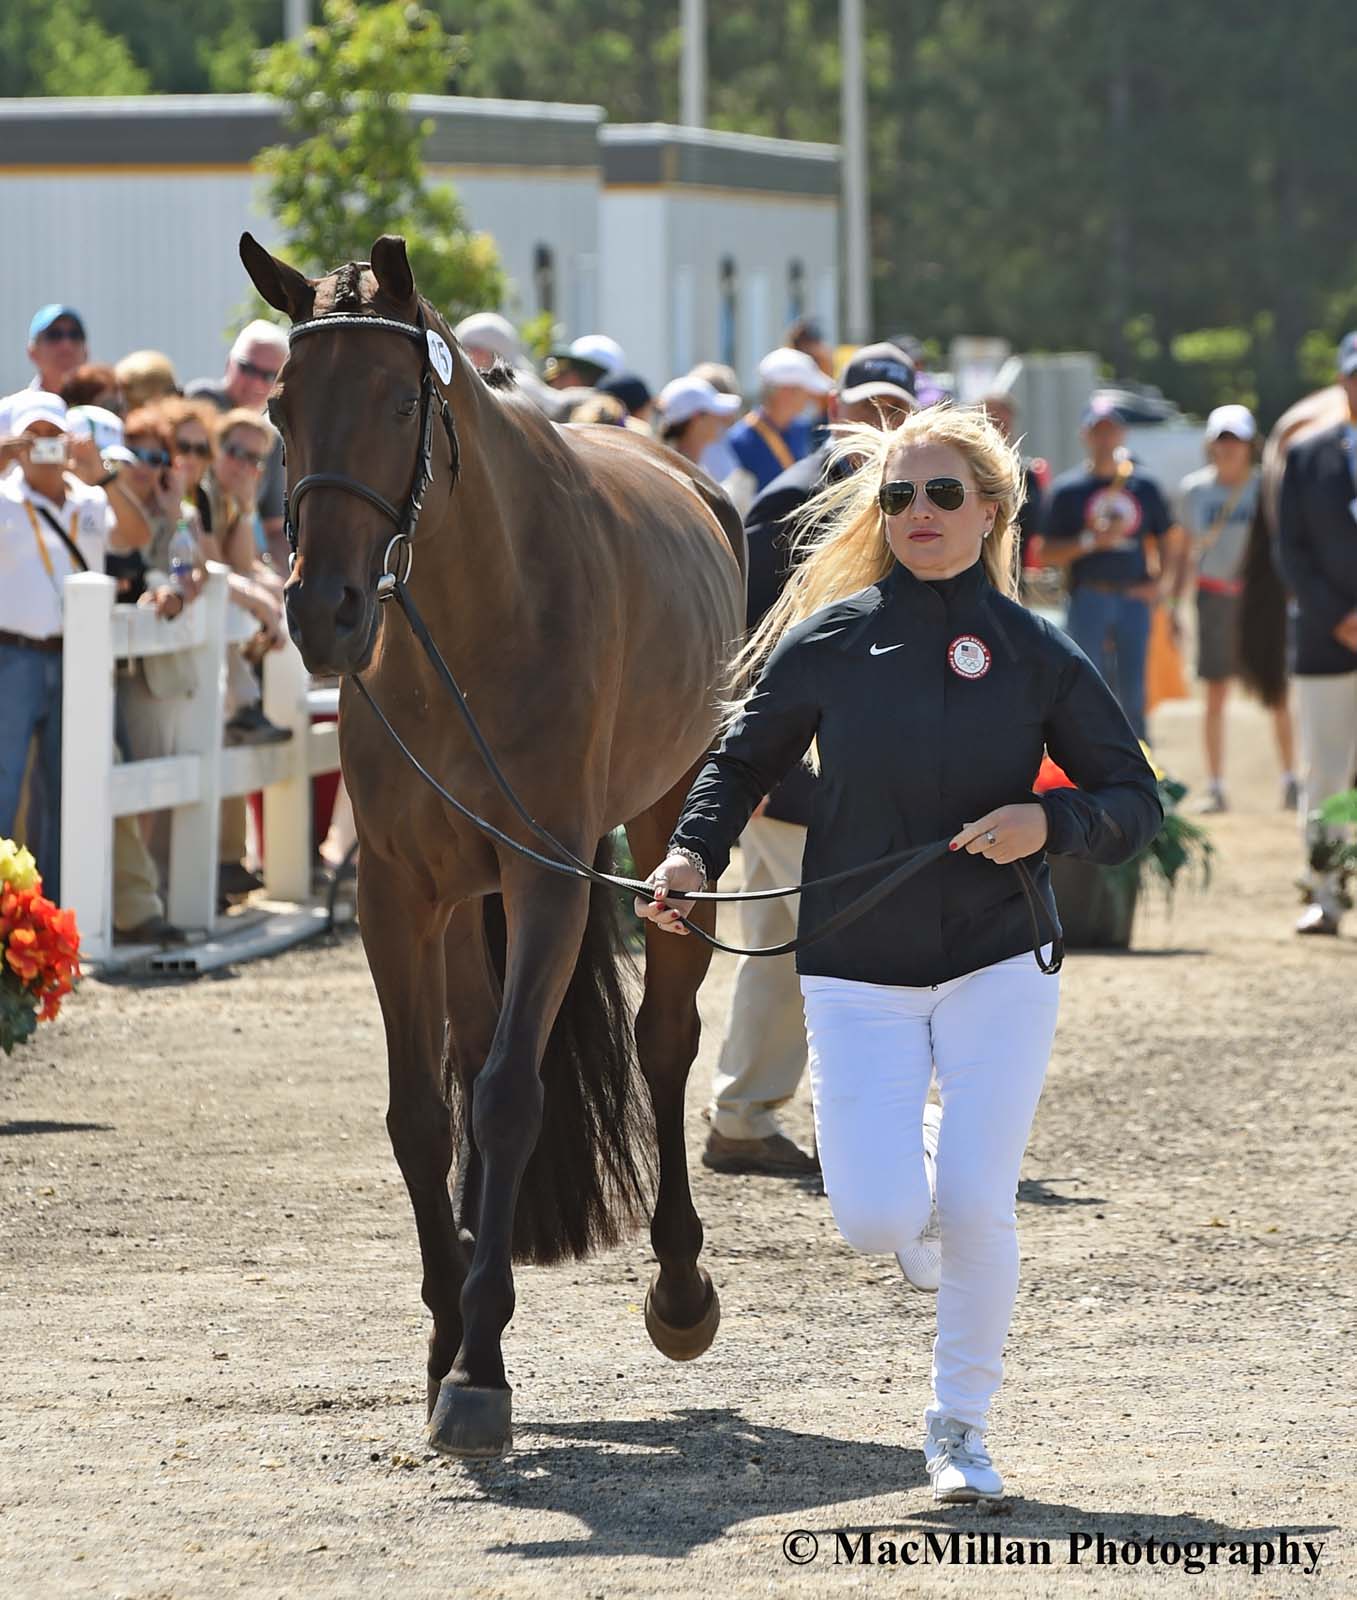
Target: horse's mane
point(500, 376)
point(348, 292)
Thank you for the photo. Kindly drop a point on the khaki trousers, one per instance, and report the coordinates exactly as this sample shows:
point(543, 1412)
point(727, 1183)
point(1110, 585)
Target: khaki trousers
point(764, 1051)
point(1328, 752)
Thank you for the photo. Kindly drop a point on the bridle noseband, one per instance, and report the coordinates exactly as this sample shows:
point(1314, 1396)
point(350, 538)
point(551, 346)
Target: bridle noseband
point(401, 545)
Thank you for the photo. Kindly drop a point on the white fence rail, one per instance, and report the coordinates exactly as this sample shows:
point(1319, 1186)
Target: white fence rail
point(192, 783)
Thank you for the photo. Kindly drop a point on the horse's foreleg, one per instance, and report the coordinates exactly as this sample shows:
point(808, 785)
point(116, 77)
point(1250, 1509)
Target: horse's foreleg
point(545, 920)
point(682, 1308)
point(403, 940)
point(473, 1001)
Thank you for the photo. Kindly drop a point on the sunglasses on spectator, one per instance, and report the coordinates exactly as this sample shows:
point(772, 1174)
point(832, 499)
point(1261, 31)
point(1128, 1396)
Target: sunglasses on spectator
point(947, 494)
point(150, 458)
point(251, 371)
point(238, 452)
point(193, 447)
point(62, 335)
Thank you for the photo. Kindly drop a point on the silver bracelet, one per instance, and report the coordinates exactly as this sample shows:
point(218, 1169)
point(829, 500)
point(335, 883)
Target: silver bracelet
point(694, 860)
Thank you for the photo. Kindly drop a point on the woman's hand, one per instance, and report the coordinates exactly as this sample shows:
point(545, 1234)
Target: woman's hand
point(673, 875)
point(1005, 835)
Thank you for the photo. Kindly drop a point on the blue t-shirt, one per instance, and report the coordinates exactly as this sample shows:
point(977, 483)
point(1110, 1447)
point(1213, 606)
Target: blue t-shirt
point(754, 454)
point(1079, 498)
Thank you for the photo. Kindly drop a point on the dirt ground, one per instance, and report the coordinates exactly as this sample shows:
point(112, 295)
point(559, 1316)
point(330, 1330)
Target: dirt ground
point(211, 1339)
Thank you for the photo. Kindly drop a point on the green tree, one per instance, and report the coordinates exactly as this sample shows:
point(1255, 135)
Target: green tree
point(58, 47)
point(353, 169)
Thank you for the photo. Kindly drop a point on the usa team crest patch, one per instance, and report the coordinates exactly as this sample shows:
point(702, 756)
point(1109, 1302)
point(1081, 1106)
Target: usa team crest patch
point(968, 656)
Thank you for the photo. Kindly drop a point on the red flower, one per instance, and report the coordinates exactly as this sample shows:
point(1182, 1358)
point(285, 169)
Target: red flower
point(1050, 776)
point(41, 945)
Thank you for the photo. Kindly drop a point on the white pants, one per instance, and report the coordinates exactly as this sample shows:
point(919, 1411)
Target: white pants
point(873, 1048)
point(764, 1051)
point(1328, 751)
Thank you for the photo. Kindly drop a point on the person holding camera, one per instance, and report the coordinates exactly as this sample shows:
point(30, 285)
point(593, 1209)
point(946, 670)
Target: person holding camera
point(897, 649)
point(1109, 524)
point(51, 525)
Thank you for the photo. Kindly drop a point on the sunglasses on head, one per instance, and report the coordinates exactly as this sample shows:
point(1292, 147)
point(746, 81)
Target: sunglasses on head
point(193, 447)
point(262, 373)
point(62, 335)
point(238, 452)
point(947, 494)
point(148, 457)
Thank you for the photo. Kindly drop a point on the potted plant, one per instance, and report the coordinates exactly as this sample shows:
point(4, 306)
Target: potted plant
point(1097, 904)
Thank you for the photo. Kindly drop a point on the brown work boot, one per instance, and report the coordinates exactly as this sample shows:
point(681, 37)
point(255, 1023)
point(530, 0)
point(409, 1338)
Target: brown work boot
point(775, 1155)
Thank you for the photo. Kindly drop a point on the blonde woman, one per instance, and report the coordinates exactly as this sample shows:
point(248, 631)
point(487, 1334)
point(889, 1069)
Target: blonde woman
point(930, 695)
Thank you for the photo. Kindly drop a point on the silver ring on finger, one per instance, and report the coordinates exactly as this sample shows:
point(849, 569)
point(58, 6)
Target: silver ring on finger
point(989, 837)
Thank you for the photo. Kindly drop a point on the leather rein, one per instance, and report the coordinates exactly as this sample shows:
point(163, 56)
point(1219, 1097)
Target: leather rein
point(392, 585)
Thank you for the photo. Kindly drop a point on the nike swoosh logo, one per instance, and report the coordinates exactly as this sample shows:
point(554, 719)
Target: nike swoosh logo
point(884, 650)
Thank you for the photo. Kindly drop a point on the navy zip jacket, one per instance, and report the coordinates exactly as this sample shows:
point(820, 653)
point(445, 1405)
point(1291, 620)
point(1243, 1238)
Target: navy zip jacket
point(931, 704)
point(1317, 546)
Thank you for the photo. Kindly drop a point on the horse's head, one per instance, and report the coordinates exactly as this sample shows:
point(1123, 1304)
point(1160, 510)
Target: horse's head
point(355, 406)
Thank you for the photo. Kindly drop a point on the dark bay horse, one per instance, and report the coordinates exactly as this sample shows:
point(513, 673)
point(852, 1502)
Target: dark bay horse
point(586, 587)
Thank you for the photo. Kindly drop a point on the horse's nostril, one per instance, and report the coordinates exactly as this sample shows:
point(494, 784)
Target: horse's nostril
point(350, 609)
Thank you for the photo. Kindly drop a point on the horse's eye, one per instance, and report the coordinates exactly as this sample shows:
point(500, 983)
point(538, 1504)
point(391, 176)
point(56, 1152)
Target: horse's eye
point(407, 408)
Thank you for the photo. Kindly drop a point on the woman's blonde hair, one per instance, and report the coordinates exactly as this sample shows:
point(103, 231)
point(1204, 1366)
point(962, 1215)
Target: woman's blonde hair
point(839, 543)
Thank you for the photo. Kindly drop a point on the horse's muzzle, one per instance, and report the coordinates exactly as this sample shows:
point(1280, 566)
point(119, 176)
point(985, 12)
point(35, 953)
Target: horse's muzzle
point(332, 623)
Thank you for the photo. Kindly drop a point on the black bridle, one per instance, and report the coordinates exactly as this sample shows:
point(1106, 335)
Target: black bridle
point(429, 394)
point(391, 585)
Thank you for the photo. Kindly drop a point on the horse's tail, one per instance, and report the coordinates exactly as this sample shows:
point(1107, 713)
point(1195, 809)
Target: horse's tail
point(591, 1174)
point(1262, 617)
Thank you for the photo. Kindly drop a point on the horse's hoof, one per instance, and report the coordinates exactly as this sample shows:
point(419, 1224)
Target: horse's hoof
point(684, 1344)
point(472, 1424)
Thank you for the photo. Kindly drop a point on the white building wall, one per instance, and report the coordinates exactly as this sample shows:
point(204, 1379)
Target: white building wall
point(762, 234)
point(636, 293)
point(150, 258)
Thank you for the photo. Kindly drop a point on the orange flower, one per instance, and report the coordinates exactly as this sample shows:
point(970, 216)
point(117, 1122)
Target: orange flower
point(41, 945)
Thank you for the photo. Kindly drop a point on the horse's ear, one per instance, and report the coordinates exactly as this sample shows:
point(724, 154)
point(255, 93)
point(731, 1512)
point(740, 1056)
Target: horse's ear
point(391, 267)
point(282, 286)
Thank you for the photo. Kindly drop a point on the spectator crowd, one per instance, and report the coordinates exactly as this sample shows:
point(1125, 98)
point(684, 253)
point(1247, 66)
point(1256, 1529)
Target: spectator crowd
point(124, 469)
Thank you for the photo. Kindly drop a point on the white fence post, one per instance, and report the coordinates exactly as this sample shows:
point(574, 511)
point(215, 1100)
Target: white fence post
point(87, 758)
point(195, 830)
point(287, 805)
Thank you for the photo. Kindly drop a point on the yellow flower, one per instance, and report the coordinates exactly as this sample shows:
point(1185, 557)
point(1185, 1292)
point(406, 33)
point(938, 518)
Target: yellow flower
point(17, 866)
point(1154, 765)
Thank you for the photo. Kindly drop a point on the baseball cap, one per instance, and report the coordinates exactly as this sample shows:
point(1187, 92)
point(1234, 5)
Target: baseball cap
point(1235, 420)
point(685, 398)
point(877, 371)
point(1347, 354)
point(45, 316)
point(785, 368)
point(36, 405)
point(632, 391)
point(104, 427)
point(594, 350)
point(1101, 408)
point(487, 330)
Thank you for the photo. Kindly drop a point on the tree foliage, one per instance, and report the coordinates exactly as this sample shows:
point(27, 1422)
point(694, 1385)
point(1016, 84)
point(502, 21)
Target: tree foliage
point(1169, 185)
point(352, 169)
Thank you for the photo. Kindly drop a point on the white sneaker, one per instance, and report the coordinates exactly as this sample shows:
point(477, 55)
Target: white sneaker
point(921, 1262)
point(958, 1462)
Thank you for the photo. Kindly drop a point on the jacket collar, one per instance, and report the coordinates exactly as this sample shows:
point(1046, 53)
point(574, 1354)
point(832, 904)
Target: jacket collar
point(900, 584)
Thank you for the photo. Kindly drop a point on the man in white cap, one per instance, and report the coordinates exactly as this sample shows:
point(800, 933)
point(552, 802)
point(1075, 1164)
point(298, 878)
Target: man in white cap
point(1216, 507)
point(582, 362)
point(692, 414)
point(1317, 551)
point(776, 434)
point(488, 337)
point(51, 525)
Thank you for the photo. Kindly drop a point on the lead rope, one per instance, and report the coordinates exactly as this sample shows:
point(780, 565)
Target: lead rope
point(906, 862)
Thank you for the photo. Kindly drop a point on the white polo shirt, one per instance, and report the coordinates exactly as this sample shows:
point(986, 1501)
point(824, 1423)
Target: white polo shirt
point(30, 593)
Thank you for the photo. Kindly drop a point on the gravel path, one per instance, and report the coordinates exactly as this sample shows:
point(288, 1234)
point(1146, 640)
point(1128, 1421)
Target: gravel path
point(213, 1341)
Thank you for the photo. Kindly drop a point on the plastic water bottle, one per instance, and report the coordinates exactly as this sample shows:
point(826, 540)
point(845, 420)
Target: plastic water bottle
point(183, 558)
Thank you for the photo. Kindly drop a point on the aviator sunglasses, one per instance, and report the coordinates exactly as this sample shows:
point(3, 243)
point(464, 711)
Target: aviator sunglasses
point(150, 458)
point(193, 447)
point(947, 494)
point(264, 374)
